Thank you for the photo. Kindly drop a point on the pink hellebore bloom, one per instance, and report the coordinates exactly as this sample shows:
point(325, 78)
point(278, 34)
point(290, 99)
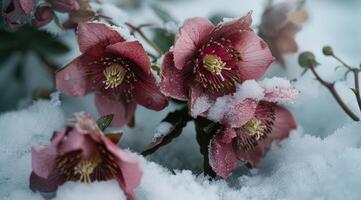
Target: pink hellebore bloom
point(16, 13)
point(43, 15)
point(280, 23)
point(83, 153)
point(249, 142)
point(250, 123)
point(209, 59)
point(117, 70)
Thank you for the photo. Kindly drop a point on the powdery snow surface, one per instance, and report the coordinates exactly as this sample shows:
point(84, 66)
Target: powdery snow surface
point(300, 167)
point(320, 160)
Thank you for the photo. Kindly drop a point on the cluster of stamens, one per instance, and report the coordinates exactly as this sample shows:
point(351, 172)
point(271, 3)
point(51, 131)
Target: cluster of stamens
point(215, 65)
point(114, 76)
point(255, 128)
point(86, 167)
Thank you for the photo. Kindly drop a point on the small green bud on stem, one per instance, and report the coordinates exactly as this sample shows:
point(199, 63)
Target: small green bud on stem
point(307, 60)
point(327, 51)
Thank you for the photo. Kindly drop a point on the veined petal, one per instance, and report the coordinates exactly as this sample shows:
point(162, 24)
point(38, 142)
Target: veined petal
point(134, 51)
point(123, 111)
point(227, 28)
point(192, 35)
point(43, 160)
point(173, 80)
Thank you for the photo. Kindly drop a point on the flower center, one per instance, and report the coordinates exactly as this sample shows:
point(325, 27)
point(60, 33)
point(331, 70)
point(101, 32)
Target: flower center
point(86, 167)
point(213, 64)
point(255, 128)
point(114, 75)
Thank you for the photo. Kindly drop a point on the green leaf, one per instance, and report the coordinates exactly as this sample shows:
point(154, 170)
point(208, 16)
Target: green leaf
point(218, 18)
point(164, 15)
point(104, 121)
point(163, 39)
point(179, 120)
point(355, 91)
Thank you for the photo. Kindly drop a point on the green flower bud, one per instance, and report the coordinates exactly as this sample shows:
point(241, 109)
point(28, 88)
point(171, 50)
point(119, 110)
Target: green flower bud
point(307, 60)
point(327, 51)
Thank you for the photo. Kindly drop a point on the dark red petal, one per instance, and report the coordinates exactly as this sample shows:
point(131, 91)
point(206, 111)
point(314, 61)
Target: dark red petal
point(94, 37)
point(123, 111)
point(241, 114)
point(43, 159)
point(255, 55)
point(222, 156)
point(134, 51)
point(71, 80)
point(227, 28)
point(253, 156)
point(130, 169)
point(173, 80)
point(192, 35)
point(147, 94)
point(27, 6)
point(283, 124)
point(46, 186)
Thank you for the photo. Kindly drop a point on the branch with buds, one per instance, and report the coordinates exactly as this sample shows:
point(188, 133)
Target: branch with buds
point(308, 61)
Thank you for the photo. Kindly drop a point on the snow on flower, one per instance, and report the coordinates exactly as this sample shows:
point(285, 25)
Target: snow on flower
point(211, 60)
point(83, 153)
point(279, 25)
point(118, 71)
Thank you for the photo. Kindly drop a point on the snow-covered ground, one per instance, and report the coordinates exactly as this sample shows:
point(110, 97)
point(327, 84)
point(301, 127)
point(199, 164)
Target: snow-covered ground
point(320, 160)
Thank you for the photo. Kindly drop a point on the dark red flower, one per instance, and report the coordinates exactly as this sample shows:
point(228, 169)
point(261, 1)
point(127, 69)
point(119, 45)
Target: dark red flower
point(118, 71)
point(249, 142)
point(16, 13)
point(83, 153)
point(280, 23)
point(210, 60)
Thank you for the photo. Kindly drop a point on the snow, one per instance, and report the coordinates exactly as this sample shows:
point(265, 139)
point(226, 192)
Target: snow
point(162, 129)
point(320, 160)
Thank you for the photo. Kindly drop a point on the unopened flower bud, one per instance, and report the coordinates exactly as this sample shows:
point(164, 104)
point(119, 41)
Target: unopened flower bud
point(307, 60)
point(327, 51)
point(43, 15)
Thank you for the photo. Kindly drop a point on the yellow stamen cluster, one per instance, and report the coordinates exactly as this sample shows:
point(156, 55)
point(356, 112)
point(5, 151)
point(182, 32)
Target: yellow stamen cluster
point(255, 128)
point(86, 167)
point(213, 64)
point(114, 75)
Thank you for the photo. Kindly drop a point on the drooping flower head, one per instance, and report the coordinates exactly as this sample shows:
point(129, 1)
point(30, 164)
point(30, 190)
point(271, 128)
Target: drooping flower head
point(251, 120)
point(16, 13)
point(209, 59)
point(83, 153)
point(279, 25)
point(118, 71)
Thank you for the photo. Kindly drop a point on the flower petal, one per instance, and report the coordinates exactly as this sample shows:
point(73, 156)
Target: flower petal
point(255, 54)
point(71, 80)
point(94, 37)
point(283, 124)
point(130, 168)
point(148, 94)
point(47, 186)
point(134, 51)
point(43, 159)
point(278, 89)
point(241, 113)
point(173, 80)
point(192, 35)
point(222, 157)
point(228, 28)
point(123, 112)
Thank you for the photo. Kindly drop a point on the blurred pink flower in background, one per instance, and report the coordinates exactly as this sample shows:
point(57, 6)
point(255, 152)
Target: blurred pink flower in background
point(209, 59)
point(118, 71)
point(43, 15)
point(279, 25)
point(16, 13)
point(83, 153)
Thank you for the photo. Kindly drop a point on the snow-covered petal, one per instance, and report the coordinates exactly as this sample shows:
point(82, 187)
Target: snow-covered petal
point(278, 89)
point(192, 35)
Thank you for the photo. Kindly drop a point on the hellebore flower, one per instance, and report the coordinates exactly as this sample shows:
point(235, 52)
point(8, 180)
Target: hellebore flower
point(251, 120)
point(211, 60)
point(118, 71)
point(16, 13)
point(83, 153)
point(280, 23)
point(65, 5)
point(249, 142)
point(43, 15)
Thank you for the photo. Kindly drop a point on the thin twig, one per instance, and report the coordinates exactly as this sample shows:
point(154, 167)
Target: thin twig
point(149, 41)
point(357, 87)
point(331, 88)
